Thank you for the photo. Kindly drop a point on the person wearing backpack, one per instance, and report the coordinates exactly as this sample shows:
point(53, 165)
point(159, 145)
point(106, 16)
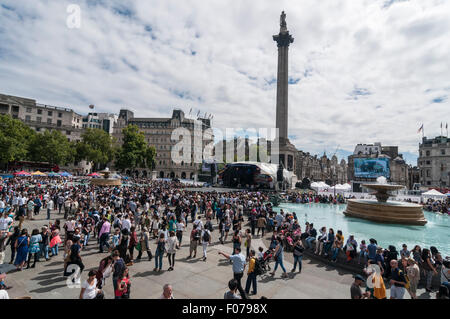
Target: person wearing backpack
point(251, 274)
point(206, 240)
point(195, 237)
point(398, 281)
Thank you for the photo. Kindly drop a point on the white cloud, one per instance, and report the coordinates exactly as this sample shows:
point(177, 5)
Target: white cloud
point(367, 70)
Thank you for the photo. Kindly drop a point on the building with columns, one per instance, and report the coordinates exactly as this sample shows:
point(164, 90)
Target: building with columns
point(158, 133)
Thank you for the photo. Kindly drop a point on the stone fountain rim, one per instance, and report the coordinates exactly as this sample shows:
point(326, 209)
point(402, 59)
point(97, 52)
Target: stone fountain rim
point(383, 186)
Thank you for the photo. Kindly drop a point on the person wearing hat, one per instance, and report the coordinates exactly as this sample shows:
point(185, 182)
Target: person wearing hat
point(355, 289)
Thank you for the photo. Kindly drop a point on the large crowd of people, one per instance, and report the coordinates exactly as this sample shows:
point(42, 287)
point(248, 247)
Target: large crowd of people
point(152, 217)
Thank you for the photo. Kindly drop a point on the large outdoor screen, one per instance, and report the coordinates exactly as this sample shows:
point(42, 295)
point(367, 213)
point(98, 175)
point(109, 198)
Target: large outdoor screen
point(372, 167)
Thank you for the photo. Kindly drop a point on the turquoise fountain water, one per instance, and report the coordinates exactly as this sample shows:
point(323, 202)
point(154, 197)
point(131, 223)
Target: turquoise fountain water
point(435, 233)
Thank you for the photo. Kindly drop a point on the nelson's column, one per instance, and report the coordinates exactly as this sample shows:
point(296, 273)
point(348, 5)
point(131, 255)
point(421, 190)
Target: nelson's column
point(286, 149)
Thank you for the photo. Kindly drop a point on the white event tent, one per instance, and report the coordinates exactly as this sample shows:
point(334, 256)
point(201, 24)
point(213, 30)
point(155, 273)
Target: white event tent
point(434, 194)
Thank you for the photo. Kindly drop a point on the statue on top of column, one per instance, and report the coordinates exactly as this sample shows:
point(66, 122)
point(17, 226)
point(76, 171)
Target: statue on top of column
point(283, 21)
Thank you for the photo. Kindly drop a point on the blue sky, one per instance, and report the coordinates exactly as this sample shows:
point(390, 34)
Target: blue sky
point(359, 71)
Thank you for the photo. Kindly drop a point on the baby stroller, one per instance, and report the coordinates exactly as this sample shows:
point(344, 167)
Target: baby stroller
point(264, 261)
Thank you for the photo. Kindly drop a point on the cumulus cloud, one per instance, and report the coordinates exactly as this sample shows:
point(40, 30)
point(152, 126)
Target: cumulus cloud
point(360, 71)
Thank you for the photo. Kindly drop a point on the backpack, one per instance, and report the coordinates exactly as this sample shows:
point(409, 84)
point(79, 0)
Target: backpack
point(197, 235)
point(206, 236)
point(259, 269)
point(209, 226)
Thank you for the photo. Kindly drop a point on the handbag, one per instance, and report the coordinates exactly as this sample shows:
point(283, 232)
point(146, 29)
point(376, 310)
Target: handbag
point(138, 246)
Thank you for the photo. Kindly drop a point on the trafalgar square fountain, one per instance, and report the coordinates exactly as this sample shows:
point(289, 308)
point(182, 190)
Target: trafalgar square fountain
point(106, 180)
point(383, 211)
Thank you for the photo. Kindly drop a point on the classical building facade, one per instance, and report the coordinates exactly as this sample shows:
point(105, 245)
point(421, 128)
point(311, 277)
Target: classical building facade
point(434, 162)
point(322, 168)
point(158, 133)
point(42, 117)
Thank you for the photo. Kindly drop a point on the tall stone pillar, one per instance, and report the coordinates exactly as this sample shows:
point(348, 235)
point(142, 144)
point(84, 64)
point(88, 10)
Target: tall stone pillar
point(287, 151)
point(283, 40)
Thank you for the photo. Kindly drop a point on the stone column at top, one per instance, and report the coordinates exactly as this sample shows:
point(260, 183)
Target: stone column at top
point(283, 40)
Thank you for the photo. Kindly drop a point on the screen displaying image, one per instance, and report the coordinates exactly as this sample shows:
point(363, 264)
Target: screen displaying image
point(372, 167)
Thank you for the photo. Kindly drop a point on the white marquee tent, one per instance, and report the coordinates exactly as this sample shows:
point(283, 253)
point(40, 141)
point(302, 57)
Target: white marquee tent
point(434, 194)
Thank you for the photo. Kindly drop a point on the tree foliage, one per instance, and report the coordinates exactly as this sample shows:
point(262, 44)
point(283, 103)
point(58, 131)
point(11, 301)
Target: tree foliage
point(52, 147)
point(134, 151)
point(15, 138)
point(96, 146)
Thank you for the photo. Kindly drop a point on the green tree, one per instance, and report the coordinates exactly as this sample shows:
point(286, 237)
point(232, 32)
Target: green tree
point(52, 147)
point(134, 151)
point(15, 138)
point(95, 146)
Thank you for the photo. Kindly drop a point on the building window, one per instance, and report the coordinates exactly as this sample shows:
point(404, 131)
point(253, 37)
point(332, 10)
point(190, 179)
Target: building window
point(38, 129)
point(68, 132)
point(428, 162)
point(428, 173)
point(59, 114)
point(39, 111)
point(58, 123)
point(443, 152)
point(49, 121)
point(428, 183)
point(27, 118)
point(39, 119)
point(50, 113)
point(28, 109)
point(428, 153)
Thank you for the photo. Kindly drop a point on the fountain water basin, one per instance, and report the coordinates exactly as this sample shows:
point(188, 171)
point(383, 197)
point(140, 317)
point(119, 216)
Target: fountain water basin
point(106, 180)
point(384, 211)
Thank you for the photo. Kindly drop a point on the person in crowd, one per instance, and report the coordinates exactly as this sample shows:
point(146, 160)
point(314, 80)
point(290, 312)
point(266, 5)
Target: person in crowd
point(413, 273)
point(159, 252)
point(362, 252)
point(89, 289)
point(132, 244)
point(21, 247)
point(167, 292)
point(298, 255)
point(350, 248)
point(104, 271)
point(181, 226)
point(321, 241)
point(261, 224)
point(278, 256)
point(337, 245)
point(429, 268)
point(404, 252)
point(329, 242)
point(195, 238)
point(144, 244)
point(206, 240)
point(172, 244)
point(355, 289)
point(251, 274)
point(372, 249)
point(233, 288)
point(398, 281)
point(12, 242)
point(239, 263)
point(123, 286)
point(312, 236)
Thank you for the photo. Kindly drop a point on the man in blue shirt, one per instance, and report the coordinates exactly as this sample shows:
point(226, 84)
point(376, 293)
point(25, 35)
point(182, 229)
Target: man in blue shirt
point(239, 263)
point(372, 249)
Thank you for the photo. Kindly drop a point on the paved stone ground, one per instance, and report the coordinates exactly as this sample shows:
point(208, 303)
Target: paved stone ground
point(191, 278)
